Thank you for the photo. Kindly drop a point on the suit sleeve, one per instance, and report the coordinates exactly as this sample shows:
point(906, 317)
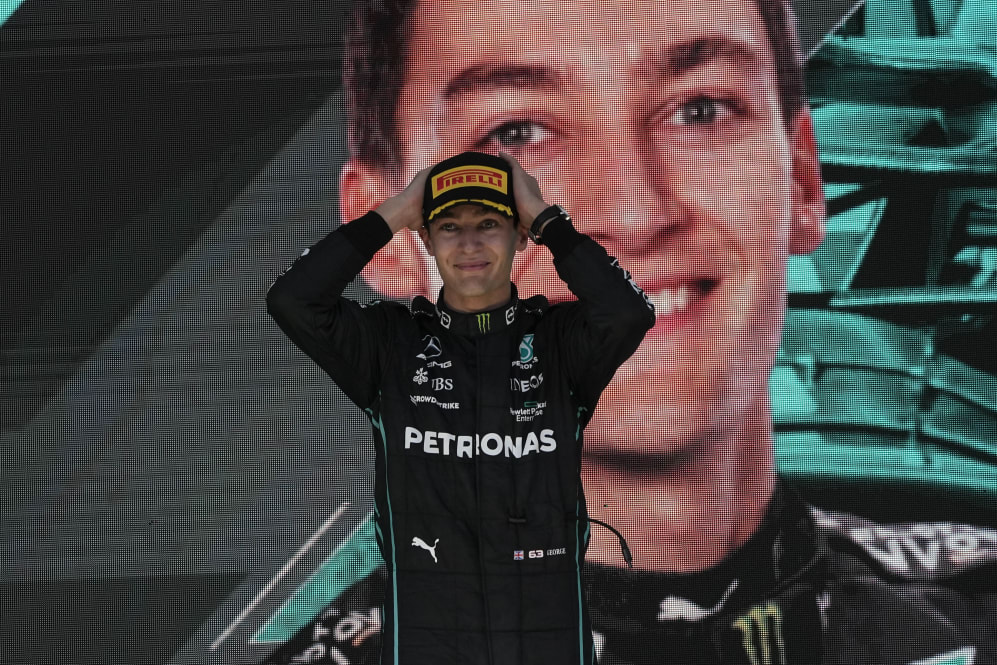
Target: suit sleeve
point(612, 315)
point(346, 339)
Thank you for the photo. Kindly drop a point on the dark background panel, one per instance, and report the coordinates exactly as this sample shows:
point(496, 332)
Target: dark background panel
point(88, 621)
point(132, 125)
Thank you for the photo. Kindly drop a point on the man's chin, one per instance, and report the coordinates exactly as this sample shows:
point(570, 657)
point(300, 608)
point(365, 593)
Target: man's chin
point(652, 426)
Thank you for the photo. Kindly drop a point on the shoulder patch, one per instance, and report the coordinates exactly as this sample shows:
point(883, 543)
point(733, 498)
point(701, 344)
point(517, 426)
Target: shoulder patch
point(422, 307)
point(384, 304)
point(915, 550)
point(535, 304)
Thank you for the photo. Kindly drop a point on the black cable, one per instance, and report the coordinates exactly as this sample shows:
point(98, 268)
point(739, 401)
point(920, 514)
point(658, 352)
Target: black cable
point(627, 556)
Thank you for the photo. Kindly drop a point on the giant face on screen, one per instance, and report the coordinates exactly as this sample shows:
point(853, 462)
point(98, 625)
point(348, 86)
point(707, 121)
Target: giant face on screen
point(670, 133)
point(180, 479)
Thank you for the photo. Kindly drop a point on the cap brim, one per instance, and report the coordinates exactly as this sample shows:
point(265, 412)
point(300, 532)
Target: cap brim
point(502, 208)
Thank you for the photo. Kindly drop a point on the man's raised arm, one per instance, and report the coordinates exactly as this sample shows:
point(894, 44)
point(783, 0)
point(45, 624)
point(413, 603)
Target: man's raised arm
point(307, 302)
point(613, 314)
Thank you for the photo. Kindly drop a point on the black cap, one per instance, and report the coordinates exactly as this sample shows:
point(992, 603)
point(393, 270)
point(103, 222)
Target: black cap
point(470, 177)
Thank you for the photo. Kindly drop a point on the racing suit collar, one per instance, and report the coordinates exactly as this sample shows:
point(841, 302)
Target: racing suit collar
point(783, 547)
point(697, 617)
point(477, 323)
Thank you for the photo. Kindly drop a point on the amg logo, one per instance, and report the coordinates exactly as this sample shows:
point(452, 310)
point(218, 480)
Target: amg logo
point(491, 444)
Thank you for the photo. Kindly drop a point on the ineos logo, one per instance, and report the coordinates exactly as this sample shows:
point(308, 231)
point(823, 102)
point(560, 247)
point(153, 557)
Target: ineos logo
point(525, 385)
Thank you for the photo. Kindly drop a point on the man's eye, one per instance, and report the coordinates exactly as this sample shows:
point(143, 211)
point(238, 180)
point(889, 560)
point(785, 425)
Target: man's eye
point(517, 134)
point(448, 227)
point(702, 111)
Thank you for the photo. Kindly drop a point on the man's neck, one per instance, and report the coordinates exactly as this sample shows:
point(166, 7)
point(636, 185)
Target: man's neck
point(685, 514)
point(476, 304)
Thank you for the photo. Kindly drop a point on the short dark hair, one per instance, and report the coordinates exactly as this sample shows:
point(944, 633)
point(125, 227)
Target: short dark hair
point(374, 66)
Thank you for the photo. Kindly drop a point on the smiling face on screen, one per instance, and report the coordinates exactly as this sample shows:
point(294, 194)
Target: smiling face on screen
point(659, 127)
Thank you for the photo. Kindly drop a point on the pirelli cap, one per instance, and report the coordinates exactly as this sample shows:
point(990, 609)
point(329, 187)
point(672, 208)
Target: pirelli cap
point(470, 177)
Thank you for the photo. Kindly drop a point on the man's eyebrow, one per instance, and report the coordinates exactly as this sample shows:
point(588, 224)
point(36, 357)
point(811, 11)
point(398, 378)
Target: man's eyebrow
point(677, 59)
point(492, 76)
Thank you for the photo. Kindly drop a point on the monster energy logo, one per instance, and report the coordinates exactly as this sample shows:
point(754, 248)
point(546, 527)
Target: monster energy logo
point(484, 322)
point(761, 635)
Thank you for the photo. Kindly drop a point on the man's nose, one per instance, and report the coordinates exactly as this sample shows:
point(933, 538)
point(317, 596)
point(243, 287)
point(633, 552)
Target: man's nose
point(625, 197)
point(469, 239)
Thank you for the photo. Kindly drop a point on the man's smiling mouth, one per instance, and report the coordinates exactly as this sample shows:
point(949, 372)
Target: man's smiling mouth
point(678, 299)
point(477, 265)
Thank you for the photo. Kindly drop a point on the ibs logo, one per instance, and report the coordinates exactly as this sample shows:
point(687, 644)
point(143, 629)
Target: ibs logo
point(526, 349)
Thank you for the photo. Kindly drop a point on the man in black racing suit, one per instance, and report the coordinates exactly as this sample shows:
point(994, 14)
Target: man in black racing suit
point(478, 403)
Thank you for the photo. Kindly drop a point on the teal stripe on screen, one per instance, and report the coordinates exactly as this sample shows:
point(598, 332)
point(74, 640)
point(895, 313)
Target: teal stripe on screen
point(8, 7)
point(354, 560)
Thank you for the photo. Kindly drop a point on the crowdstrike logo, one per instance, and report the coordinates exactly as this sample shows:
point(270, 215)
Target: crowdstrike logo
point(430, 399)
point(491, 444)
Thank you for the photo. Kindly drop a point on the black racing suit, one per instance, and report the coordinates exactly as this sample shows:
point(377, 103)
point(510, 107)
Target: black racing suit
point(478, 423)
point(810, 586)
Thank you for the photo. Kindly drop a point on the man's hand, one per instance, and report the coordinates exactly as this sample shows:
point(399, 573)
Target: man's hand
point(404, 210)
point(529, 198)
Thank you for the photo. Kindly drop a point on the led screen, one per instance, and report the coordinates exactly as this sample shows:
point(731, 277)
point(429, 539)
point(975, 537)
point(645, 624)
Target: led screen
point(183, 485)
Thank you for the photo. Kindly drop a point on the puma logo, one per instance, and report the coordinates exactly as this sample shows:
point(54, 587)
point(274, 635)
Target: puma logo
point(674, 608)
point(419, 542)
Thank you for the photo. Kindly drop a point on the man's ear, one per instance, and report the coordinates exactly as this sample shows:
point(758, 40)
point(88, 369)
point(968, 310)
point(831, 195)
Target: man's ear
point(399, 269)
point(522, 237)
point(807, 230)
point(427, 241)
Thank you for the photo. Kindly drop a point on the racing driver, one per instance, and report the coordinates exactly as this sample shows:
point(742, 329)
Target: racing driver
point(477, 404)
